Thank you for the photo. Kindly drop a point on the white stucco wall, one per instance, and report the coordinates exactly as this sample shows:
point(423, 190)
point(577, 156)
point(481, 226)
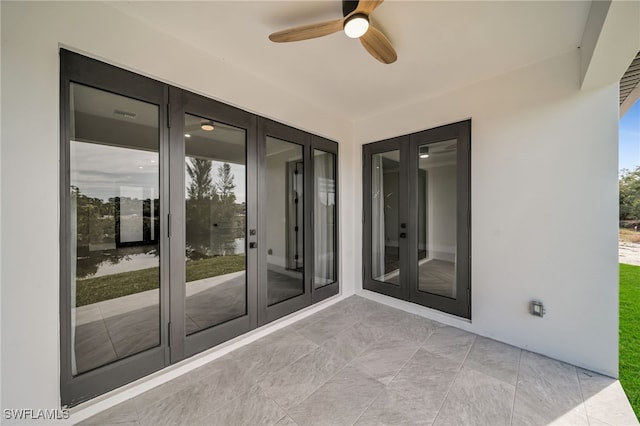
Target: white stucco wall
point(32, 33)
point(544, 185)
point(544, 207)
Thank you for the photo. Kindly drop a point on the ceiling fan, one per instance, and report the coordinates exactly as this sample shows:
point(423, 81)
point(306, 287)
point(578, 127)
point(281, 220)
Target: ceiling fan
point(355, 23)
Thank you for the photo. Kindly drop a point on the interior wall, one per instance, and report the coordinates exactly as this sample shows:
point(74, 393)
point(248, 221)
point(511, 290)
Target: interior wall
point(31, 34)
point(276, 208)
point(544, 207)
point(442, 220)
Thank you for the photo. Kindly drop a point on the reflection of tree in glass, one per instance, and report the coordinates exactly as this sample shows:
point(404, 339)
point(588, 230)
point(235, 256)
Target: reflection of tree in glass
point(96, 229)
point(94, 220)
point(230, 227)
point(213, 222)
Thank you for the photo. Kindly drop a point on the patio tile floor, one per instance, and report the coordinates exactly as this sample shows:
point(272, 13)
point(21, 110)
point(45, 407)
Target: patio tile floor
point(362, 363)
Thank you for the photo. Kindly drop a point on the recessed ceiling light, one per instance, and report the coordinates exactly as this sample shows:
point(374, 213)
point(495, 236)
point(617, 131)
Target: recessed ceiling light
point(187, 135)
point(207, 126)
point(140, 167)
point(424, 152)
point(125, 114)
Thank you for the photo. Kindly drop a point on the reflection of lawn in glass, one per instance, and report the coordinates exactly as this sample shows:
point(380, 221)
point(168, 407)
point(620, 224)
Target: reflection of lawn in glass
point(98, 289)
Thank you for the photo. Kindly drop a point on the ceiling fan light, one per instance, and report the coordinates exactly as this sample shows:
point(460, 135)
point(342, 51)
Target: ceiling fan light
point(356, 25)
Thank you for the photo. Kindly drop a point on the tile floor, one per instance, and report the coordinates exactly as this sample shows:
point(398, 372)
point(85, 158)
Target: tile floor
point(362, 363)
point(117, 328)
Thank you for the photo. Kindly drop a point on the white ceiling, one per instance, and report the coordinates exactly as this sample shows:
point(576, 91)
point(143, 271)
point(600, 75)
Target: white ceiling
point(441, 45)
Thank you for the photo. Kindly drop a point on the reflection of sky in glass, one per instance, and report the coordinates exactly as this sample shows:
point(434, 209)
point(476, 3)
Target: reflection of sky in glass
point(237, 170)
point(100, 170)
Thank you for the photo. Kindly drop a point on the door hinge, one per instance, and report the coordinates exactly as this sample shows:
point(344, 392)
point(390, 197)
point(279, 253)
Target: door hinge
point(169, 115)
point(169, 333)
point(468, 219)
point(169, 225)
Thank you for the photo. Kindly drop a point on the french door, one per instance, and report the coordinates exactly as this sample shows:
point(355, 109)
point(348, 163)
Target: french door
point(417, 218)
point(185, 222)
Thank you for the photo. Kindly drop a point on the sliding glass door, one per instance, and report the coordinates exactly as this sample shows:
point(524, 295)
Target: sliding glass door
point(417, 212)
point(213, 168)
point(185, 222)
point(113, 237)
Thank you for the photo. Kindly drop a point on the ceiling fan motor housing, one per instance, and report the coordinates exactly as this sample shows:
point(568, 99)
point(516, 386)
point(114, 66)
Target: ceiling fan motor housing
point(348, 6)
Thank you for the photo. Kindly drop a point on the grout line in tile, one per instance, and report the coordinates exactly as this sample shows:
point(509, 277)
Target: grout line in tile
point(454, 380)
point(318, 387)
point(193, 321)
point(515, 393)
point(275, 372)
point(405, 364)
point(584, 405)
point(276, 402)
point(315, 390)
point(446, 396)
point(106, 327)
point(369, 405)
point(385, 386)
point(475, 339)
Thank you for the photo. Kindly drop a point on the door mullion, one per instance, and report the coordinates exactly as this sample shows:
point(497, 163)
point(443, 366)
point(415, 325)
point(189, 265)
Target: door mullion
point(411, 210)
point(177, 216)
point(262, 223)
point(252, 234)
point(308, 218)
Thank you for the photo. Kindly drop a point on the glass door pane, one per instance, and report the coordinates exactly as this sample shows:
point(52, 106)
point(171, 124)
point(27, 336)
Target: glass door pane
point(385, 234)
point(324, 227)
point(437, 218)
point(215, 212)
point(114, 227)
point(285, 220)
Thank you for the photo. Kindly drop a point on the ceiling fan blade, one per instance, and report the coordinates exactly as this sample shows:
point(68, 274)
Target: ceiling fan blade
point(367, 6)
point(305, 32)
point(378, 46)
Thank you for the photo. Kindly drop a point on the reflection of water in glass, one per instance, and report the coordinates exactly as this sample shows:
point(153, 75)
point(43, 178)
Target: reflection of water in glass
point(137, 261)
point(132, 262)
